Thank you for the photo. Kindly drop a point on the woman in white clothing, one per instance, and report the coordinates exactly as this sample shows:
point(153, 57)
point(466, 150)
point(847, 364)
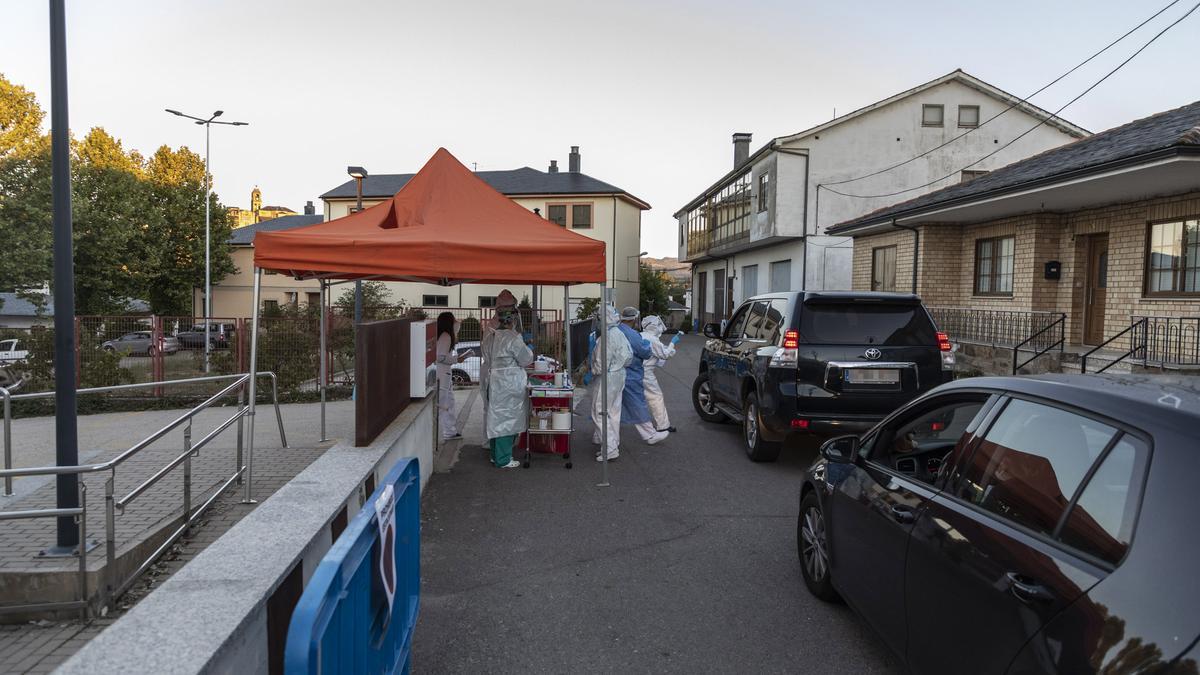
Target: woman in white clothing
point(446, 360)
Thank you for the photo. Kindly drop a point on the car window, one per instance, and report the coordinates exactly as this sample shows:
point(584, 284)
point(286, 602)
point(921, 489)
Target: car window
point(8, 345)
point(1101, 522)
point(737, 325)
point(918, 445)
point(866, 324)
point(774, 319)
point(755, 321)
point(1031, 461)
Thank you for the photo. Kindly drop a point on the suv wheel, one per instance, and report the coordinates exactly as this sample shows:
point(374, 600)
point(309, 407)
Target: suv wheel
point(704, 401)
point(757, 449)
point(812, 545)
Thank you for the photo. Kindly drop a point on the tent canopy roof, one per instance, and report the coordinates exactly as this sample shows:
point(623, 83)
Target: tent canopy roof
point(445, 226)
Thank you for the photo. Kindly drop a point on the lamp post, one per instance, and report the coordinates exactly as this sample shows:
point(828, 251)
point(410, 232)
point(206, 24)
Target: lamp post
point(207, 123)
point(358, 174)
point(639, 256)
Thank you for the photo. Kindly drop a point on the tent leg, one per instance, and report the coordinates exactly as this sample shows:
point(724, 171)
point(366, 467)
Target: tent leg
point(604, 421)
point(324, 355)
point(566, 329)
point(253, 393)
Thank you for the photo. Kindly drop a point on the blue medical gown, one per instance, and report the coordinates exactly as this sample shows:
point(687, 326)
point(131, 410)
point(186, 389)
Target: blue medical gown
point(634, 409)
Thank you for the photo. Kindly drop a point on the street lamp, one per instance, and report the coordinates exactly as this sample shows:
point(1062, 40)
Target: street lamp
point(639, 256)
point(358, 174)
point(207, 123)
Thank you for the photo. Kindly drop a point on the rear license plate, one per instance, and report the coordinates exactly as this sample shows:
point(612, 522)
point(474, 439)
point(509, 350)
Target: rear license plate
point(872, 376)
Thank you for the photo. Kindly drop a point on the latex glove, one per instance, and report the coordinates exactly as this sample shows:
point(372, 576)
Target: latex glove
point(675, 340)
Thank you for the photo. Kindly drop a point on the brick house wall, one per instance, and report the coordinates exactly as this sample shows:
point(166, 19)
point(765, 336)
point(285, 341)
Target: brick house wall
point(946, 262)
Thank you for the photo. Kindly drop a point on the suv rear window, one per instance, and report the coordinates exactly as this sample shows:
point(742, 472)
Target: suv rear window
point(866, 324)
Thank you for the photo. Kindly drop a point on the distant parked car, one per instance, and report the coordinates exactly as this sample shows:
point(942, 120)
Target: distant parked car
point(219, 336)
point(141, 343)
point(467, 371)
point(1018, 525)
point(12, 351)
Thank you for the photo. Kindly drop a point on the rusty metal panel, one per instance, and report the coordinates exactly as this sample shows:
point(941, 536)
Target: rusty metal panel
point(381, 373)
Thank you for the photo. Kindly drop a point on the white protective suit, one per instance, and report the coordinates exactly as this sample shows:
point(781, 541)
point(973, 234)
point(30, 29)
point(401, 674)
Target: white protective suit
point(652, 330)
point(612, 372)
point(504, 300)
point(446, 360)
point(508, 403)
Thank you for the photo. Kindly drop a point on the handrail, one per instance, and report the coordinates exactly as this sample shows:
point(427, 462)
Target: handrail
point(79, 514)
point(1130, 352)
point(1061, 323)
point(8, 473)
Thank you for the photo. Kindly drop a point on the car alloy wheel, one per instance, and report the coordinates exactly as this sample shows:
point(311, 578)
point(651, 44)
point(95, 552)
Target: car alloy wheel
point(751, 425)
point(704, 395)
point(813, 547)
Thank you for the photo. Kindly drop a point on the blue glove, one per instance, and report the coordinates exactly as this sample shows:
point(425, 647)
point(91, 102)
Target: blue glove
point(675, 340)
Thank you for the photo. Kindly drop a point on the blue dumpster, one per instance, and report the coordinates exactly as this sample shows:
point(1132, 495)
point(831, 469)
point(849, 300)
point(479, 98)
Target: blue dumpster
point(341, 623)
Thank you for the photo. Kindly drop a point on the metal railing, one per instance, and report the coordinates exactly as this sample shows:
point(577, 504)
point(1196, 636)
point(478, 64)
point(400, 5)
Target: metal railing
point(1171, 341)
point(1060, 324)
point(1137, 343)
point(998, 327)
point(112, 588)
point(79, 514)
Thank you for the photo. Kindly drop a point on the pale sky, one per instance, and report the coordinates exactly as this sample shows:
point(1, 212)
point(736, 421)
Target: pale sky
point(650, 90)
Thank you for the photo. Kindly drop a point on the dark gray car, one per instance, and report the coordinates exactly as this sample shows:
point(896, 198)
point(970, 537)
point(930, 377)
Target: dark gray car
point(141, 343)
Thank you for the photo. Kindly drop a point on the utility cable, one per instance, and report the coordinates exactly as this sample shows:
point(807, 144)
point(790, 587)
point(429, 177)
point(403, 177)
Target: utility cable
point(1030, 129)
point(1018, 102)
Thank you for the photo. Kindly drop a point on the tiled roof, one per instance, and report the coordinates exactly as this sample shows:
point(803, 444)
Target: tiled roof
point(15, 305)
point(1176, 128)
point(523, 181)
point(244, 236)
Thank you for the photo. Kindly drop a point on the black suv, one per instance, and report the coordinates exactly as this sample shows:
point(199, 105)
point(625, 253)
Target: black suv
point(817, 362)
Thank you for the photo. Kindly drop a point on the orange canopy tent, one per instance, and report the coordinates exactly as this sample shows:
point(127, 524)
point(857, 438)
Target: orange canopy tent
point(445, 226)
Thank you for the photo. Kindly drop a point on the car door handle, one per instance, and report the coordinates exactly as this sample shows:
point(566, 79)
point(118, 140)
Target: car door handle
point(1027, 590)
point(903, 514)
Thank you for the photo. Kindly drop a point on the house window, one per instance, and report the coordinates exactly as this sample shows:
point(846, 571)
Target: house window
point(968, 175)
point(487, 301)
point(1173, 263)
point(293, 298)
point(994, 266)
point(968, 115)
point(435, 300)
point(719, 306)
point(764, 186)
point(581, 216)
point(883, 268)
point(557, 214)
point(749, 281)
point(932, 114)
point(314, 299)
point(270, 306)
point(781, 276)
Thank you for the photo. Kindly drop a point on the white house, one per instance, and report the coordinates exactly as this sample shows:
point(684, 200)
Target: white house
point(570, 198)
point(761, 227)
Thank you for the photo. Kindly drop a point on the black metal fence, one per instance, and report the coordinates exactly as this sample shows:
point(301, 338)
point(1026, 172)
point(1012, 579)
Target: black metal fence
point(1034, 331)
point(1169, 340)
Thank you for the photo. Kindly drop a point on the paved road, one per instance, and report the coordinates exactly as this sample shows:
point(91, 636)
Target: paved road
point(686, 564)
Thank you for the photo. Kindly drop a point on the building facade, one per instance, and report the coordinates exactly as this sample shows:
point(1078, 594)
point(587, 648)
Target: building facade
point(764, 225)
point(1098, 242)
point(257, 213)
point(569, 198)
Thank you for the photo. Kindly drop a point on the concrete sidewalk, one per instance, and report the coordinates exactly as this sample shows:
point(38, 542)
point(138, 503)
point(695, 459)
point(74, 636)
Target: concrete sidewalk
point(687, 563)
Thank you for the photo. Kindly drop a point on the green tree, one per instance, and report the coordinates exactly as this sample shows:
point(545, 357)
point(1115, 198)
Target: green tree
point(24, 192)
point(376, 301)
point(20, 120)
point(652, 290)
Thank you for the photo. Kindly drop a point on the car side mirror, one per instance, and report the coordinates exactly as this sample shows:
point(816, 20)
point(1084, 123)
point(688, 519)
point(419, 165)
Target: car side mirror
point(841, 449)
point(712, 330)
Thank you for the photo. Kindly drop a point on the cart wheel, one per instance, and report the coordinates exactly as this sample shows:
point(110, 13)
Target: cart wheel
point(568, 465)
point(525, 465)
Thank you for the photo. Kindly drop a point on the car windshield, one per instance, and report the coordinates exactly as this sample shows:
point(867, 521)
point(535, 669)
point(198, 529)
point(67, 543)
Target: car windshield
point(866, 324)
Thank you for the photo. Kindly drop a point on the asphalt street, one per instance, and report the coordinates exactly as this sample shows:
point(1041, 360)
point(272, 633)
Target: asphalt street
point(687, 563)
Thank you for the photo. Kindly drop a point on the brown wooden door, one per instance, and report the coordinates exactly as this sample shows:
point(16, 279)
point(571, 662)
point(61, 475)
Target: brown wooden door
point(1097, 289)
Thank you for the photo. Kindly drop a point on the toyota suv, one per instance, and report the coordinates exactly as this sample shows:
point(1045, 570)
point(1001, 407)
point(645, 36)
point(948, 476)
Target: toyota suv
point(817, 362)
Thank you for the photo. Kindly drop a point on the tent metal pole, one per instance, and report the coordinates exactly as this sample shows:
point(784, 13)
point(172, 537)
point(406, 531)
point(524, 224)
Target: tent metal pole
point(605, 298)
point(246, 498)
point(566, 329)
point(324, 354)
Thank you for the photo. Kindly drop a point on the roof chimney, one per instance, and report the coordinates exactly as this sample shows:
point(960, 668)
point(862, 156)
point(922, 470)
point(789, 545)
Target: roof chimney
point(553, 166)
point(309, 209)
point(741, 148)
point(573, 162)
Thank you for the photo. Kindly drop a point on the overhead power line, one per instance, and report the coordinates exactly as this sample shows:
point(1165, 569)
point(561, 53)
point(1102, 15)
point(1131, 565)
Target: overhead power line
point(1030, 129)
point(1018, 102)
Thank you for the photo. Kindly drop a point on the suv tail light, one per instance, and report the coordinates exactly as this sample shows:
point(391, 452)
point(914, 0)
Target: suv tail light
point(786, 356)
point(947, 351)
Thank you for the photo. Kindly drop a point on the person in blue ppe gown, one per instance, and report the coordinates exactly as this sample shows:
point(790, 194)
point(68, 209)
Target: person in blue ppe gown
point(634, 409)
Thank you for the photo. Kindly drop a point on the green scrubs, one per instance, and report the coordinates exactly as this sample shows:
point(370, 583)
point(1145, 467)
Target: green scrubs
point(502, 448)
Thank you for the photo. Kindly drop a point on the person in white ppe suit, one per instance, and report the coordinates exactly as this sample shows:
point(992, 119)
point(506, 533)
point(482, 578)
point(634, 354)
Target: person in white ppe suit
point(612, 372)
point(507, 415)
point(446, 360)
point(652, 330)
point(504, 301)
